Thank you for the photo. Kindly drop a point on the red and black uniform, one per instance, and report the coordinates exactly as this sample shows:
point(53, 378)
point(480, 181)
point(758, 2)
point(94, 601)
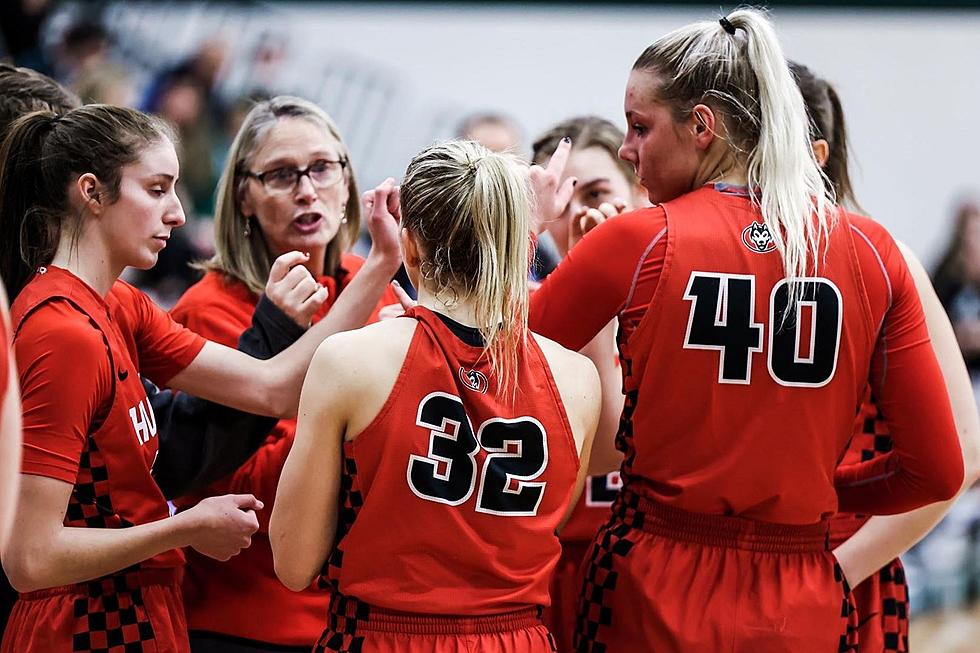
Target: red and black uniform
point(591, 512)
point(467, 489)
point(736, 416)
point(222, 598)
point(882, 600)
point(87, 422)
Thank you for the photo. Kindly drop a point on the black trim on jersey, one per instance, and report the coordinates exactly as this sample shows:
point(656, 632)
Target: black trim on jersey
point(469, 335)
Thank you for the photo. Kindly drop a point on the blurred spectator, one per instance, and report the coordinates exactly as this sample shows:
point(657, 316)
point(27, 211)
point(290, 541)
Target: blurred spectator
point(108, 83)
point(20, 31)
point(495, 131)
point(84, 47)
point(957, 282)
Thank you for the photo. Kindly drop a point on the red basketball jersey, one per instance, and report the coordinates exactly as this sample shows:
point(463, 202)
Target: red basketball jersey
point(451, 496)
point(87, 420)
point(742, 388)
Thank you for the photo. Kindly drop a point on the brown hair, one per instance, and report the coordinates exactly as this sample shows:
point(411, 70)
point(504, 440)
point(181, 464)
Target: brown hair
point(247, 258)
point(470, 210)
point(40, 156)
point(585, 131)
point(827, 123)
point(23, 90)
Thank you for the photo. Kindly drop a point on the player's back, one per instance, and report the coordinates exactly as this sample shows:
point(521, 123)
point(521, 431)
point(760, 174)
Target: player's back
point(743, 408)
point(451, 495)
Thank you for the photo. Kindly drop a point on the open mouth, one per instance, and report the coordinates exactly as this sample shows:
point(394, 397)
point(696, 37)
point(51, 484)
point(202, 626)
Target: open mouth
point(308, 222)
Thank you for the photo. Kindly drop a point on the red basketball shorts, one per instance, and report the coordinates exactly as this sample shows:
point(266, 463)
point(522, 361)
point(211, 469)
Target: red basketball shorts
point(566, 585)
point(356, 627)
point(666, 580)
point(123, 613)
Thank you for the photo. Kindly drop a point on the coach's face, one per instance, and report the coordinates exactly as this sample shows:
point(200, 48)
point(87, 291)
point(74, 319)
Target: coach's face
point(301, 212)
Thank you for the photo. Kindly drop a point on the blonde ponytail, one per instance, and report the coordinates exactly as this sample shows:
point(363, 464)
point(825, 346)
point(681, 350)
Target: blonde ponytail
point(470, 210)
point(737, 66)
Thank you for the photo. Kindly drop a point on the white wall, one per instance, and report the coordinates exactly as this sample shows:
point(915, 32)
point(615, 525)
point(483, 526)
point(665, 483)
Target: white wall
point(909, 82)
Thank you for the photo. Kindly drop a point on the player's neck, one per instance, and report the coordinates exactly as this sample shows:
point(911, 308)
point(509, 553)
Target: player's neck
point(455, 308)
point(88, 259)
point(720, 165)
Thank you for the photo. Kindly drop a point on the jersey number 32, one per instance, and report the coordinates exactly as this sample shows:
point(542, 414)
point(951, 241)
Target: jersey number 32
point(802, 347)
point(516, 455)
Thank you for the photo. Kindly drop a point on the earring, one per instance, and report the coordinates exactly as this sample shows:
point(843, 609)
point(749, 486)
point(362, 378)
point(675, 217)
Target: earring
point(343, 220)
point(247, 231)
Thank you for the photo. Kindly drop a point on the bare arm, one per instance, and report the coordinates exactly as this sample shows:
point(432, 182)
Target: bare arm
point(884, 538)
point(46, 553)
point(304, 519)
point(10, 433)
point(601, 351)
point(272, 387)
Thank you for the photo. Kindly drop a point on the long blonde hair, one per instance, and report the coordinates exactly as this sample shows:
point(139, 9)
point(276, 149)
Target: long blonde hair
point(247, 257)
point(737, 67)
point(470, 211)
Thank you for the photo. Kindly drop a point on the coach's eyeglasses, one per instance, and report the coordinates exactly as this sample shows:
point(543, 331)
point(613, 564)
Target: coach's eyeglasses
point(323, 173)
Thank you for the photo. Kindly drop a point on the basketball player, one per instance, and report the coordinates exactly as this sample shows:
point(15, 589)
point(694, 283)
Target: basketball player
point(450, 438)
point(82, 196)
point(751, 311)
point(867, 547)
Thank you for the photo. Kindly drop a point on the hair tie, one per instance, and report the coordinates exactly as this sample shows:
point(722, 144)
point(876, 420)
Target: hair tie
point(727, 25)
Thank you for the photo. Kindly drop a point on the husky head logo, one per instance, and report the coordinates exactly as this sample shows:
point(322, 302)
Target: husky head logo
point(757, 238)
point(476, 381)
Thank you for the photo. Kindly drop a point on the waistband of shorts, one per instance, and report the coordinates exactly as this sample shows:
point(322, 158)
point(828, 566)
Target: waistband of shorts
point(114, 583)
point(843, 526)
point(667, 521)
point(369, 618)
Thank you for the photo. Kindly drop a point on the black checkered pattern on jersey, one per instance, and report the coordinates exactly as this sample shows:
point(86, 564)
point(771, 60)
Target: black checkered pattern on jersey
point(111, 616)
point(894, 607)
point(90, 505)
point(349, 502)
point(343, 616)
point(875, 440)
point(848, 642)
point(612, 541)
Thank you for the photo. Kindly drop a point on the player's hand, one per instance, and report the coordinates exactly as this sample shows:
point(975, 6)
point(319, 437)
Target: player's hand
point(222, 526)
point(589, 218)
point(382, 207)
point(405, 302)
point(551, 195)
point(293, 289)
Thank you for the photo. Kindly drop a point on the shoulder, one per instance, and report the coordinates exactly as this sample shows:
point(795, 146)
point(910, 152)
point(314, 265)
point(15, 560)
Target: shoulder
point(213, 289)
point(57, 328)
point(575, 375)
point(355, 363)
point(374, 344)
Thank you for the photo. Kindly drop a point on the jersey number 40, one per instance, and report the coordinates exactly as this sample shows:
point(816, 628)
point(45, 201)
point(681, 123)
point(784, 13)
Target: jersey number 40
point(802, 347)
point(516, 455)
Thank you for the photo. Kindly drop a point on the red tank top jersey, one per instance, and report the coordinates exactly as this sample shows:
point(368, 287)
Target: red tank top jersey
point(728, 414)
point(222, 597)
point(86, 417)
point(451, 496)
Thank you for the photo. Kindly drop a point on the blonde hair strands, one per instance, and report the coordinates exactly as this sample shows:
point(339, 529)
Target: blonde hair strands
point(745, 77)
point(470, 210)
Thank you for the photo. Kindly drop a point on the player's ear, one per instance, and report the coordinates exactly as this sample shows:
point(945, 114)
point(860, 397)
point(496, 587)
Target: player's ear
point(821, 151)
point(410, 249)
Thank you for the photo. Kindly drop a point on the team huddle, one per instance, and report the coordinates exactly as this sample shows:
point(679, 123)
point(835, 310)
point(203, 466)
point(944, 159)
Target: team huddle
point(714, 426)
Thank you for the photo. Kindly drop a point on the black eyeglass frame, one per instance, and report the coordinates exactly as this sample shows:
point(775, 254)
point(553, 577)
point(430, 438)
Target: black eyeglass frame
point(300, 173)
